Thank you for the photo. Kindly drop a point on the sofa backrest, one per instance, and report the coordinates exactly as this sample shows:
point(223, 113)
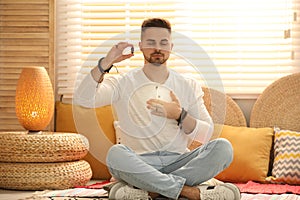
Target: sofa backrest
point(279, 105)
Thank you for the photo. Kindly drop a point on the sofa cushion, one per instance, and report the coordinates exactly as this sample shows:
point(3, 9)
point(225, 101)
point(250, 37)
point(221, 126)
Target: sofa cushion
point(90, 123)
point(286, 165)
point(252, 147)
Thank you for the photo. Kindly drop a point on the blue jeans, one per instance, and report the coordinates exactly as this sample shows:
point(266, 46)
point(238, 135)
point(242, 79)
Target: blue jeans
point(167, 172)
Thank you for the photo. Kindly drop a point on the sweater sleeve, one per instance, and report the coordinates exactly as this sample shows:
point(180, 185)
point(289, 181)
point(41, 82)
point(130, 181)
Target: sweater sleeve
point(197, 109)
point(203, 130)
point(90, 94)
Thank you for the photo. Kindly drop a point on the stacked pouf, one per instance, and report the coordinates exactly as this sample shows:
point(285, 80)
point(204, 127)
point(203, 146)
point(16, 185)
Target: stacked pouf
point(43, 161)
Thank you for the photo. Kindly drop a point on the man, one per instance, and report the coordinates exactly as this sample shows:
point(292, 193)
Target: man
point(159, 112)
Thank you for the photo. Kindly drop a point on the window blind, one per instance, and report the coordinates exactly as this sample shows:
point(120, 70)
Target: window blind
point(26, 39)
point(238, 46)
point(249, 41)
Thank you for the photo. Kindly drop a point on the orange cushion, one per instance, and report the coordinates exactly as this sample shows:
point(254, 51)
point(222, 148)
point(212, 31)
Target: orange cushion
point(252, 147)
point(90, 123)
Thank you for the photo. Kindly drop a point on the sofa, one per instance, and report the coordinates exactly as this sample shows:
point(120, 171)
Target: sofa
point(266, 153)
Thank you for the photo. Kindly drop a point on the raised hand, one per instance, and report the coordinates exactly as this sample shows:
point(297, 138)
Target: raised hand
point(116, 54)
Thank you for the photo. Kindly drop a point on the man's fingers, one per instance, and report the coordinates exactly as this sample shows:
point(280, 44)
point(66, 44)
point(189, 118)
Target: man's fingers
point(127, 56)
point(128, 51)
point(155, 101)
point(118, 54)
point(157, 109)
point(123, 45)
point(173, 97)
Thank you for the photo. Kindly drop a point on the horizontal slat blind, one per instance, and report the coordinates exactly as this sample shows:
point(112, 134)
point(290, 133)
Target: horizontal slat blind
point(247, 40)
point(26, 39)
point(295, 33)
point(68, 48)
point(95, 28)
point(239, 45)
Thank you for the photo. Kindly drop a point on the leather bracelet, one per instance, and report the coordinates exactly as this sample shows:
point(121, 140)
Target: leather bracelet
point(182, 116)
point(100, 67)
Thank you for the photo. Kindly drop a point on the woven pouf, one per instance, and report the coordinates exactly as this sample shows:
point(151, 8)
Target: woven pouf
point(43, 147)
point(47, 160)
point(42, 176)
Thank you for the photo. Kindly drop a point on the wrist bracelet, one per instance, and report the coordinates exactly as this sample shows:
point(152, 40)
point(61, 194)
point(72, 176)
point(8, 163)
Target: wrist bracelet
point(100, 67)
point(182, 116)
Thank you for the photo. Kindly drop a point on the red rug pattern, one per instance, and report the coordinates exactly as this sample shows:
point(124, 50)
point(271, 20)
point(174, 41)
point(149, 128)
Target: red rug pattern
point(261, 188)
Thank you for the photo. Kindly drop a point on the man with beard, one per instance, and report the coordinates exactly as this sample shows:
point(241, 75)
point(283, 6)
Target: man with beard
point(159, 112)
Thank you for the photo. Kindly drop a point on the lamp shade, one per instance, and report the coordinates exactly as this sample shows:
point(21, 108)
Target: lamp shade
point(34, 99)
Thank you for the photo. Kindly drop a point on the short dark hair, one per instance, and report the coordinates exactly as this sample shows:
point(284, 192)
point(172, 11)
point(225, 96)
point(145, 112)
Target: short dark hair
point(156, 22)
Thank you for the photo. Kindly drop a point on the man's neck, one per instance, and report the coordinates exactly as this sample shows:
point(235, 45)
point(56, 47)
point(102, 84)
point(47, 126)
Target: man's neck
point(158, 74)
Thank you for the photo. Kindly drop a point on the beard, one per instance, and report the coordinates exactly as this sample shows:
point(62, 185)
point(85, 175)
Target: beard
point(156, 58)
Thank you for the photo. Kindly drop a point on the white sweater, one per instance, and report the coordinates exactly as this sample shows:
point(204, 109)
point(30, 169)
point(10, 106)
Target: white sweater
point(136, 127)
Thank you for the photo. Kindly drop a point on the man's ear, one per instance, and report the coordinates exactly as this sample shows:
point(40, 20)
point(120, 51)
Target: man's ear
point(140, 46)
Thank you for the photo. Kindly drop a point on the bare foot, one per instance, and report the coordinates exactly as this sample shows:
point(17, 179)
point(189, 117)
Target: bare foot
point(192, 193)
point(153, 195)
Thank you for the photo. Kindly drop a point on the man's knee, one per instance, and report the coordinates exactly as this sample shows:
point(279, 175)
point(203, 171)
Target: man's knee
point(226, 148)
point(115, 153)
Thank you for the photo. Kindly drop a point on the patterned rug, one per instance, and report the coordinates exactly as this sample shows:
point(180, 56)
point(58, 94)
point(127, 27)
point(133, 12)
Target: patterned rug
point(260, 188)
point(250, 191)
point(246, 196)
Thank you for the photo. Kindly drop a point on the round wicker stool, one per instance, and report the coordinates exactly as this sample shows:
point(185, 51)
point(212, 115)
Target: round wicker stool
point(42, 161)
point(44, 147)
point(41, 176)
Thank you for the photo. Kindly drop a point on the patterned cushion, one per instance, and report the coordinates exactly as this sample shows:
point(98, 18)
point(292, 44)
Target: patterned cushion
point(286, 165)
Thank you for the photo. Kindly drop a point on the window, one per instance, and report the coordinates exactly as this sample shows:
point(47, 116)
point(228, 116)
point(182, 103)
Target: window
point(241, 46)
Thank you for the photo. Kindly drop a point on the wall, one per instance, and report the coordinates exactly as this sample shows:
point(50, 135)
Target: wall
point(246, 106)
